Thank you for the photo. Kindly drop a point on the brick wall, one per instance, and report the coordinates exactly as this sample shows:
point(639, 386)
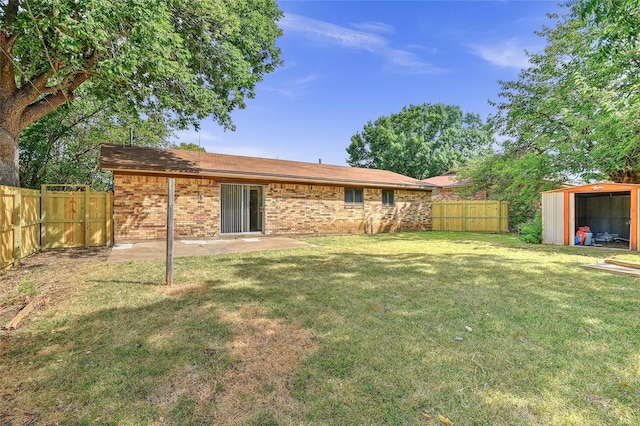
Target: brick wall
point(140, 209)
point(319, 209)
point(451, 194)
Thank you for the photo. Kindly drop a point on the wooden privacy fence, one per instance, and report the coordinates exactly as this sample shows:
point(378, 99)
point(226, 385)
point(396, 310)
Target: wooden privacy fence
point(470, 216)
point(32, 220)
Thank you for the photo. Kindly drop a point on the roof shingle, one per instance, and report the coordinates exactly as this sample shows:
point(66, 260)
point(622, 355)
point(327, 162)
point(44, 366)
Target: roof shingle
point(175, 161)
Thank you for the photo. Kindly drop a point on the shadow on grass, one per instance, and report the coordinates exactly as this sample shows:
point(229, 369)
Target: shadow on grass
point(543, 336)
point(484, 336)
point(117, 365)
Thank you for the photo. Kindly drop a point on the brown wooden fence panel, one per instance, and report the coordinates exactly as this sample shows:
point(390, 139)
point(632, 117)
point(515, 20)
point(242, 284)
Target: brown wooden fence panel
point(100, 209)
point(19, 224)
point(470, 216)
point(7, 216)
point(31, 220)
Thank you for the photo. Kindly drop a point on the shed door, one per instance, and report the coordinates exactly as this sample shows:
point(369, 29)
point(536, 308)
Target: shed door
point(553, 218)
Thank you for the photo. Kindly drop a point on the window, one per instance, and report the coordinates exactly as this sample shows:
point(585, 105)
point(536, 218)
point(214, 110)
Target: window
point(387, 197)
point(353, 196)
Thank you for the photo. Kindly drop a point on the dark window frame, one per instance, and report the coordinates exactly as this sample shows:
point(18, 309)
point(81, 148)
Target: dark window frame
point(388, 197)
point(354, 196)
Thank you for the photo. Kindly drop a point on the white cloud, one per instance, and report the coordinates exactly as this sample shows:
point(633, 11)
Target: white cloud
point(306, 79)
point(506, 54)
point(401, 60)
point(294, 89)
point(374, 27)
point(326, 31)
point(282, 91)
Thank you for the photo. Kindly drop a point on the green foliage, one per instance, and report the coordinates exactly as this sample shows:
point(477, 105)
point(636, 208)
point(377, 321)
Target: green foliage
point(519, 179)
point(619, 19)
point(189, 146)
point(531, 232)
point(64, 146)
point(573, 113)
point(172, 60)
point(578, 103)
point(26, 287)
point(420, 141)
point(193, 58)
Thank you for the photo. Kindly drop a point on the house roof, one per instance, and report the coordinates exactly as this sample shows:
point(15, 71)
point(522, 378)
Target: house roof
point(447, 180)
point(140, 159)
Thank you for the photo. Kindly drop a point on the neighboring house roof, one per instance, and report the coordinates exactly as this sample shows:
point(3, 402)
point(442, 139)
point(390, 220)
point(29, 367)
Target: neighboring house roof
point(139, 159)
point(447, 180)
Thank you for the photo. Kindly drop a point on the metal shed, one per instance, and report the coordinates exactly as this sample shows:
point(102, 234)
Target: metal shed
point(609, 209)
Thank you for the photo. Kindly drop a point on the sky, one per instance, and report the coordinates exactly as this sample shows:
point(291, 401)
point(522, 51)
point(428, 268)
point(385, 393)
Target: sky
point(350, 62)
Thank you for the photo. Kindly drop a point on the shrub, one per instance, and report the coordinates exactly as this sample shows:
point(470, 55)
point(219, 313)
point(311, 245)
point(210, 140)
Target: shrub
point(531, 232)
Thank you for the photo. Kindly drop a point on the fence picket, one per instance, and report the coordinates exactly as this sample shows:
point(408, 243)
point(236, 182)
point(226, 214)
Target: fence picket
point(470, 216)
point(31, 220)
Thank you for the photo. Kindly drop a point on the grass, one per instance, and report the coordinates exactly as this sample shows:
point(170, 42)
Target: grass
point(24, 288)
point(386, 329)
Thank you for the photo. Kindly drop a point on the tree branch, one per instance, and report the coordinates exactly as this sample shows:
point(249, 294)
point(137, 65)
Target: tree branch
point(10, 13)
point(50, 102)
point(63, 93)
point(36, 86)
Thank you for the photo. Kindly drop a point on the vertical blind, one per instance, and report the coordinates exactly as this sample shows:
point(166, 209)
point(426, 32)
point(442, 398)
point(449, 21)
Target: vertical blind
point(235, 208)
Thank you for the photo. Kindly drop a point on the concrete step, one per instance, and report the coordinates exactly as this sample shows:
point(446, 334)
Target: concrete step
point(614, 269)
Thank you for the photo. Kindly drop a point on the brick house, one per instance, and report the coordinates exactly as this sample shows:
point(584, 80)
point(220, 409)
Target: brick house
point(218, 195)
point(448, 188)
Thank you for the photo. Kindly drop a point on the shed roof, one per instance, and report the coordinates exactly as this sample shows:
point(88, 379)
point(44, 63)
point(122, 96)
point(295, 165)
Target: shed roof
point(598, 187)
point(140, 159)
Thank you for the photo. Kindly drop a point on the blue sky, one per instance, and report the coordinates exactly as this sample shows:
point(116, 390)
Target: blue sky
point(348, 62)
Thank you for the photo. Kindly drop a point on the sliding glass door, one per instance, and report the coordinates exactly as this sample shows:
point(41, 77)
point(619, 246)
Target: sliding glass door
point(241, 208)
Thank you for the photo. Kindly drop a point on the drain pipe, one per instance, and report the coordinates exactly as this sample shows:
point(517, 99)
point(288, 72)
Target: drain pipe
point(371, 225)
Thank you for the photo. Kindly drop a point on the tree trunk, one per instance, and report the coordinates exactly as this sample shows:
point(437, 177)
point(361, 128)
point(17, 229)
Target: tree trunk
point(9, 165)
point(625, 176)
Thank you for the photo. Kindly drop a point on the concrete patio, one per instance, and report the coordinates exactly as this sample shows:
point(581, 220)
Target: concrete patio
point(157, 249)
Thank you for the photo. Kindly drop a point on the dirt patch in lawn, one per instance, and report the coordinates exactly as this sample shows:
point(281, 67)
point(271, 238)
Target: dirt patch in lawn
point(265, 354)
point(47, 279)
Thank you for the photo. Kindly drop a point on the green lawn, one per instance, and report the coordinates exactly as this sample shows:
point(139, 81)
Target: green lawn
point(385, 329)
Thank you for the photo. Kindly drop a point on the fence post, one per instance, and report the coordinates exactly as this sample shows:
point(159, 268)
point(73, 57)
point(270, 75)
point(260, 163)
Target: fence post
point(44, 205)
point(17, 227)
point(464, 216)
point(170, 197)
point(108, 218)
point(87, 216)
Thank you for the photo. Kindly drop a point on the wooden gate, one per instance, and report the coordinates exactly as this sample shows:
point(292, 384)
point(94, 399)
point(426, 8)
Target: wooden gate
point(31, 220)
point(470, 216)
point(76, 218)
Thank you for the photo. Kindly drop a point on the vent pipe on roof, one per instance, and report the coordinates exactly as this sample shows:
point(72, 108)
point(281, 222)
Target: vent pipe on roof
point(319, 160)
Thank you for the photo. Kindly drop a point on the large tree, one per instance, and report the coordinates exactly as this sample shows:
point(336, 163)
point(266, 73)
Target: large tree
point(64, 146)
point(574, 113)
point(578, 103)
point(183, 60)
point(420, 141)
